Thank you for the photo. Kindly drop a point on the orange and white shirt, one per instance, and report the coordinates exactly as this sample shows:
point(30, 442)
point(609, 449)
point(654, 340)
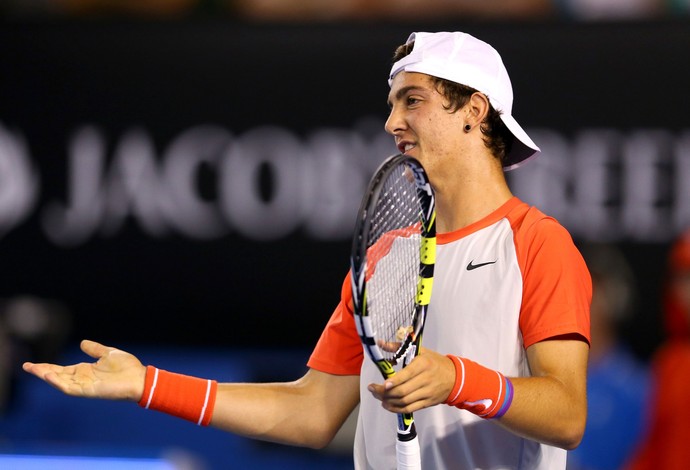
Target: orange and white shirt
point(501, 285)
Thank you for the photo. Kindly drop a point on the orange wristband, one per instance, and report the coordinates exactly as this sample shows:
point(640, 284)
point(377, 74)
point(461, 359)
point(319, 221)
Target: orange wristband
point(186, 397)
point(479, 390)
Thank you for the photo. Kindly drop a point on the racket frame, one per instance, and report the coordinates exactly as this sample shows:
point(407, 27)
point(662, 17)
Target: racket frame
point(412, 342)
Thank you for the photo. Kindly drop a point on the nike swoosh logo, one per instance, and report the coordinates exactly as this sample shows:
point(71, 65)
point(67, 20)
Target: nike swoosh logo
point(471, 266)
point(486, 402)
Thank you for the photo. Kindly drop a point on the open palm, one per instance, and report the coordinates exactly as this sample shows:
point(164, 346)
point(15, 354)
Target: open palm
point(116, 375)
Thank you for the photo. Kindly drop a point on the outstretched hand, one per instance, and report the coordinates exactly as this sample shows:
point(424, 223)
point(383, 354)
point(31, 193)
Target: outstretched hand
point(116, 375)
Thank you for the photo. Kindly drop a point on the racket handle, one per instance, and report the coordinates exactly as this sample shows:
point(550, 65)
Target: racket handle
point(409, 457)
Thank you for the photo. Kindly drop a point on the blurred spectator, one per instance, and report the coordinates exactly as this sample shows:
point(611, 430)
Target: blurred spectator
point(30, 327)
point(300, 10)
point(97, 8)
point(667, 445)
point(677, 7)
point(617, 382)
point(281, 10)
point(591, 10)
point(343, 10)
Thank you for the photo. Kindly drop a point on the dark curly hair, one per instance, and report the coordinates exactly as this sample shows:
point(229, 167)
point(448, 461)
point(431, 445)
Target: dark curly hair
point(497, 138)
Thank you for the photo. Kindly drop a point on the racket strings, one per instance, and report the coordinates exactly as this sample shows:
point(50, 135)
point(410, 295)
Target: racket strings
point(394, 258)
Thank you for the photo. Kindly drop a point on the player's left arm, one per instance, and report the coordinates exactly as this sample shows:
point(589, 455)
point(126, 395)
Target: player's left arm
point(551, 405)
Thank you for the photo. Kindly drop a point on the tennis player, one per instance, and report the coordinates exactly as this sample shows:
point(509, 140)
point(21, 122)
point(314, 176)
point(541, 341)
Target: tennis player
point(501, 382)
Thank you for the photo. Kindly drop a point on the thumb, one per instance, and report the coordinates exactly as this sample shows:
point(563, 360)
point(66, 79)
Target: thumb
point(94, 349)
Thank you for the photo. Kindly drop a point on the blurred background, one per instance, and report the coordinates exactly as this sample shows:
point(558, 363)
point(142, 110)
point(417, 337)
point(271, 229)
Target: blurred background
point(180, 178)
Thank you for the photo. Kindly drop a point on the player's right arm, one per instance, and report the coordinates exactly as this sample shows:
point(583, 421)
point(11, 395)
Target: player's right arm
point(307, 412)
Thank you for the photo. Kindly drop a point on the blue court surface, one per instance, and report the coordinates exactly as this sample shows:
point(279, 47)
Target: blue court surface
point(46, 429)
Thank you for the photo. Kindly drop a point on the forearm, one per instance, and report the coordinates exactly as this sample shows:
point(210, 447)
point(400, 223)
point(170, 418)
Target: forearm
point(271, 412)
point(307, 412)
point(301, 413)
point(551, 406)
point(546, 410)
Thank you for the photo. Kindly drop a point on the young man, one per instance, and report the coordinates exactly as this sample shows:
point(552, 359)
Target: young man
point(501, 380)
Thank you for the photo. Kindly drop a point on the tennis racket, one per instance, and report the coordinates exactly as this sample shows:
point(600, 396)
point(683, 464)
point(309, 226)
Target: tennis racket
point(392, 262)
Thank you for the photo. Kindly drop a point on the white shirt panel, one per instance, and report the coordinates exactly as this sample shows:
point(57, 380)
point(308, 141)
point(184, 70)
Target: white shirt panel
point(473, 313)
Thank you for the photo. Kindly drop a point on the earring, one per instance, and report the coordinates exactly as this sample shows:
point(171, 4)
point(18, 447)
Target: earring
point(468, 128)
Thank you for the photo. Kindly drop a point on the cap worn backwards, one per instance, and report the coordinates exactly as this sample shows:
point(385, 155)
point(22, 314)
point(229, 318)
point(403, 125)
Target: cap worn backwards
point(464, 59)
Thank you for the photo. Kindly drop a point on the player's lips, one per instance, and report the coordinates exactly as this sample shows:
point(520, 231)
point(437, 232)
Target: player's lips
point(404, 147)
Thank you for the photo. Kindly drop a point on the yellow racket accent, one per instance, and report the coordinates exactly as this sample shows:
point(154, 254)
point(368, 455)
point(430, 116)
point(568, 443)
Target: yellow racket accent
point(386, 368)
point(427, 251)
point(424, 290)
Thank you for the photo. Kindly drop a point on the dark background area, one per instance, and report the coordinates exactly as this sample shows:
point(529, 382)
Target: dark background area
point(239, 305)
point(168, 76)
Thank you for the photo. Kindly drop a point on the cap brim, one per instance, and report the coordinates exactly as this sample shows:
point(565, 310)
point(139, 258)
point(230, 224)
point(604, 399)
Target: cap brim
point(523, 147)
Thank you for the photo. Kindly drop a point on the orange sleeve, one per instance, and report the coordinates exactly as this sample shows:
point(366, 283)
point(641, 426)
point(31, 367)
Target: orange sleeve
point(557, 287)
point(339, 350)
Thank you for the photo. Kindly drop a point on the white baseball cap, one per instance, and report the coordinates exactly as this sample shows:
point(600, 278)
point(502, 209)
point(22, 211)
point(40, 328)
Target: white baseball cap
point(464, 59)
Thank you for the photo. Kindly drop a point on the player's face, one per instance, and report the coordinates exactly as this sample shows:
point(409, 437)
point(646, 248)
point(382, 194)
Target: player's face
point(423, 128)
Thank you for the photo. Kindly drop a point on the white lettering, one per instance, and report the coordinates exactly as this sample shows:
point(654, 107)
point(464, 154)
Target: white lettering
point(184, 206)
point(594, 162)
point(644, 190)
point(280, 155)
point(132, 187)
point(335, 183)
point(681, 183)
point(19, 181)
point(72, 224)
point(268, 183)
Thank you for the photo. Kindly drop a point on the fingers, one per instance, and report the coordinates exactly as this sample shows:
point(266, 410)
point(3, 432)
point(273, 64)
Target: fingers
point(396, 401)
point(40, 370)
point(54, 379)
point(425, 382)
point(52, 374)
point(116, 375)
point(92, 348)
point(401, 393)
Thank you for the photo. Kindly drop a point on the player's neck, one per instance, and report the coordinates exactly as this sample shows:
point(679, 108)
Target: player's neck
point(473, 196)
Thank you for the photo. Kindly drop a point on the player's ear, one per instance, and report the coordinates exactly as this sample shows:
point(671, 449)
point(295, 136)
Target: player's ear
point(477, 108)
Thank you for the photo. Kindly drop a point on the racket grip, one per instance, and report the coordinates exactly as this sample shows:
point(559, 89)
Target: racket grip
point(407, 452)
